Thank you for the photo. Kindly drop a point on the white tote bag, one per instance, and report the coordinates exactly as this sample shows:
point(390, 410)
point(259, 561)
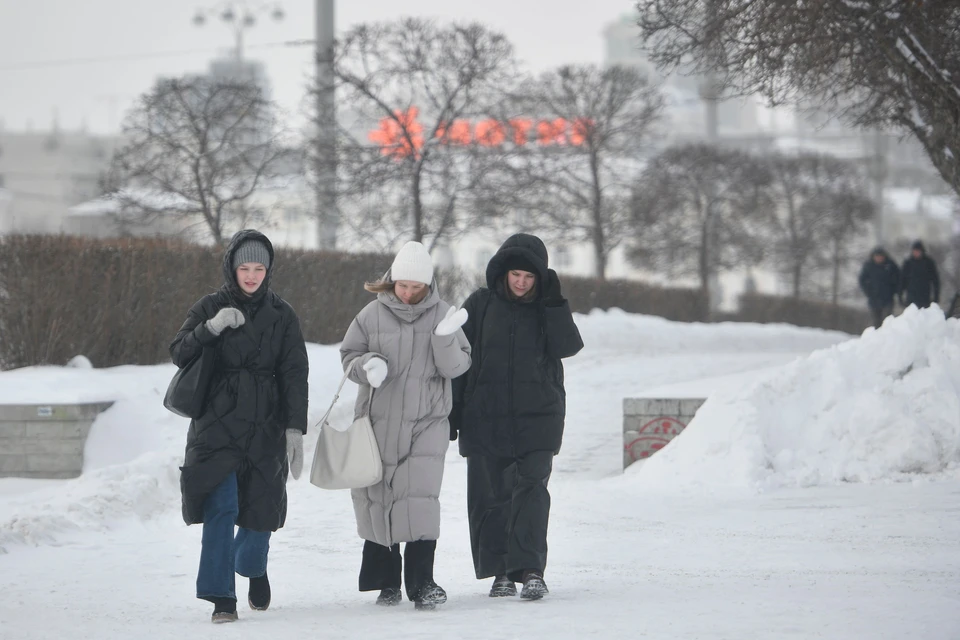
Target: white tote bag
point(347, 459)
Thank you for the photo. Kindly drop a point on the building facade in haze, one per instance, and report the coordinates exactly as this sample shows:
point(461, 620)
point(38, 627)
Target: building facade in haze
point(45, 173)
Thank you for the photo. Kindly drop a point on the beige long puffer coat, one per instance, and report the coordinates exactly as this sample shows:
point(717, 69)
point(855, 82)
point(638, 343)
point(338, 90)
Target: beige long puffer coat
point(409, 413)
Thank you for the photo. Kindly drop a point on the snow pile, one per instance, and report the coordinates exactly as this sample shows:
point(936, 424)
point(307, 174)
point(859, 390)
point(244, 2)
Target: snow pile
point(95, 501)
point(639, 334)
point(80, 362)
point(885, 407)
point(134, 450)
point(66, 385)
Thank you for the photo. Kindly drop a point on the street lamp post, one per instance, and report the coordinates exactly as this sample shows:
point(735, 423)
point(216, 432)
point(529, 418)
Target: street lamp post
point(328, 214)
point(878, 175)
point(239, 15)
point(711, 89)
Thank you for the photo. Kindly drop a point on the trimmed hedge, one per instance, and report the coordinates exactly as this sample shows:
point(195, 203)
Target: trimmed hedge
point(803, 313)
point(121, 301)
point(682, 305)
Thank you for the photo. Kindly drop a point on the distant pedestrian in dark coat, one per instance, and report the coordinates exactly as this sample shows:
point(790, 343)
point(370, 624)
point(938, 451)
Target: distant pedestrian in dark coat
point(880, 282)
point(919, 279)
point(954, 310)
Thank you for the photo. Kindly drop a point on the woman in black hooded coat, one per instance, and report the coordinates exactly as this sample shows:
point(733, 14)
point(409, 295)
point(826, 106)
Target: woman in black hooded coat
point(509, 412)
point(250, 435)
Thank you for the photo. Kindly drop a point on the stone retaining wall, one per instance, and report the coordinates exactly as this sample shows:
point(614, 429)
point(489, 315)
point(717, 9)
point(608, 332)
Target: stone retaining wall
point(45, 441)
point(650, 423)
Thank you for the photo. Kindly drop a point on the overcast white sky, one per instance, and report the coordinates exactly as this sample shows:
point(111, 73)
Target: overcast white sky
point(545, 33)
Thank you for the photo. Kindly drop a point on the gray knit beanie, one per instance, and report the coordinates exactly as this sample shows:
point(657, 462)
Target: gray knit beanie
point(251, 251)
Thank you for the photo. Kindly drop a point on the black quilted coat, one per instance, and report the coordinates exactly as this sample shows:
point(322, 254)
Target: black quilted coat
point(259, 390)
point(513, 401)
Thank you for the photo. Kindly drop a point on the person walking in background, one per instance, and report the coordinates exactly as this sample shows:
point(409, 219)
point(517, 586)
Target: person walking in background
point(407, 345)
point(880, 282)
point(509, 413)
point(250, 435)
point(919, 279)
point(954, 310)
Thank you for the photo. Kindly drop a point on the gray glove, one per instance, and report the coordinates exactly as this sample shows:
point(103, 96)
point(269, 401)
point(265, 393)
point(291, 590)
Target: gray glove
point(226, 318)
point(295, 452)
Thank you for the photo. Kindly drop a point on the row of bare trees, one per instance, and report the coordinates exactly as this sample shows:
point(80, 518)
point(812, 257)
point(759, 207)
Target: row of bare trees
point(197, 149)
point(891, 64)
point(699, 209)
point(441, 132)
point(462, 138)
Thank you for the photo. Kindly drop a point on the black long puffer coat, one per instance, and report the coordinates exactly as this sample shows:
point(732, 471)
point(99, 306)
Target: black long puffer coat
point(920, 280)
point(880, 282)
point(512, 400)
point(258, 391)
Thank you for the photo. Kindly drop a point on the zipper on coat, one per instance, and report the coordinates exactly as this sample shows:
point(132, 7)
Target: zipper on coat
point(510, 394)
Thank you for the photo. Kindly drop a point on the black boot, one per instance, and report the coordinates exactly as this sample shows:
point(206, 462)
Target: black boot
point(418, 575)
point(503, 587)
point(389, 597)
point(534, 587)
point(224, 610)
point(430, 596)
point(259, 594)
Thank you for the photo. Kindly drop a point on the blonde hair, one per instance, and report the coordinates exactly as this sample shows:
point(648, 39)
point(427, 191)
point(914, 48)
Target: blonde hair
point(379, 286)
point(388, 286)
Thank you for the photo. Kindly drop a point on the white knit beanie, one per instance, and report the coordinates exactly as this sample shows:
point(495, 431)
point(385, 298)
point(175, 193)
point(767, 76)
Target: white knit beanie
point(413, 263)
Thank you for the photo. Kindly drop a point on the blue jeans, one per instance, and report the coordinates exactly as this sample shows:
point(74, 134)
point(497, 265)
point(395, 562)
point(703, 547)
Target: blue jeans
point(223, 553)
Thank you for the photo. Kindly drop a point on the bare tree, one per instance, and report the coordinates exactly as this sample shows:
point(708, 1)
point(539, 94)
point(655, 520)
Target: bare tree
point(698, 208)
point(595, 127)
point(197, 147)
point(423, 153)
point(817, 201)
point(950, 270)
point(877, 63)
point(842, 194)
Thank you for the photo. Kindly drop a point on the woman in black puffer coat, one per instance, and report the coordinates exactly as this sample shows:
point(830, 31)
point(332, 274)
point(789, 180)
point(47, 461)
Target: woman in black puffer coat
point(251, 433)
point(509, 412)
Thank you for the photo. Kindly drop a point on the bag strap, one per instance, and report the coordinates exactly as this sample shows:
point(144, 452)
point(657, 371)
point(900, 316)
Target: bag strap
point(483, 315)
point(343, 381)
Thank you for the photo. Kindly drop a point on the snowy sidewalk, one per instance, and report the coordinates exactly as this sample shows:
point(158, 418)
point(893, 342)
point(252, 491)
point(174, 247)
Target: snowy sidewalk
point(852, 562)
point(107, 555)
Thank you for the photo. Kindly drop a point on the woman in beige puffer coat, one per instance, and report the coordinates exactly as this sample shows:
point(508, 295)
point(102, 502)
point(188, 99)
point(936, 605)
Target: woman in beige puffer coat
point(407, 345)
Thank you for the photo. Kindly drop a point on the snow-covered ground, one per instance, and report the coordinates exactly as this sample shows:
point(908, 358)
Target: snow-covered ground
point(776, 514)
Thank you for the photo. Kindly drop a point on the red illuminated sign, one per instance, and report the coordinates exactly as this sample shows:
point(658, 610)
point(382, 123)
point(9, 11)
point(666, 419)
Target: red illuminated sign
point(402, 135)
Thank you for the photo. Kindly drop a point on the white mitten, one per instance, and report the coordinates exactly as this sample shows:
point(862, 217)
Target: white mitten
point(295, 452)
point(376, 370)
point(454, 319)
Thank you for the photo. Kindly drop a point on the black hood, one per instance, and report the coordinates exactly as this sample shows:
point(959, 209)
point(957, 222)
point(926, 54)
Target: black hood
point(230, 278)
point(879, 251)
point(524, 245)
point(919, 245)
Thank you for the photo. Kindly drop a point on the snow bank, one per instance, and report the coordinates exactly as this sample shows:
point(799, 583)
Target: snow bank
point(68, 385)
point(645, 335)
point(80, 362)
point(885, 407)
point(96, 501)
point(134, 450)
